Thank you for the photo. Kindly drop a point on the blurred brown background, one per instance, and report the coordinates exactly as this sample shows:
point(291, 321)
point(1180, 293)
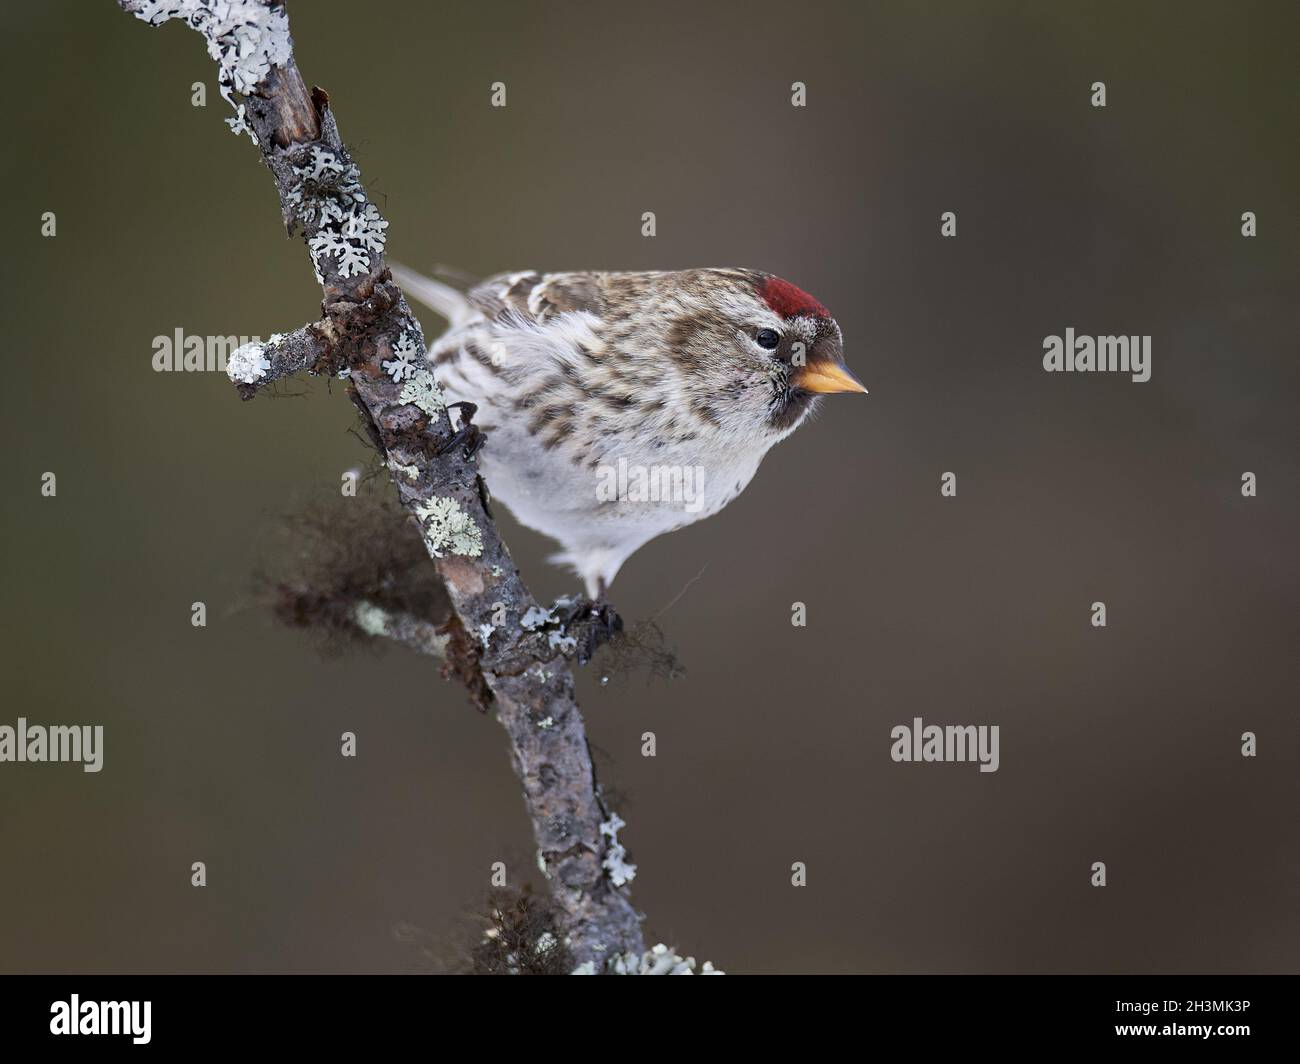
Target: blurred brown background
point(1119, 745)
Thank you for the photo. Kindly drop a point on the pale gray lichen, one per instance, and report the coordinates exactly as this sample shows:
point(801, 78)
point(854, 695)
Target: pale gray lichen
point(366, 225)
point(245, 37)
point(329, 199)
point(620, 870)
point(546, 723)
point(411, 471)
point(370, 619)
point(402, 365)
point(239, 124)
point(485, 633)
point(321, 164)
point(422, 392)
point(347, 234)
point(559, 641)
point(247, 364)
point(448, 528)
point(535, 617)
point(658, 960)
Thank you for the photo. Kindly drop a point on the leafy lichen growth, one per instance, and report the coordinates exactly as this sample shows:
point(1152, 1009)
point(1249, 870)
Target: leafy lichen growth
point(370, 619)
point(245, 37)
point(658, 960)
point(620, 870)
point(247, 364)
point(449, 529)
point(535, 617)
point(330, 202)
point(422, 392)
point(402, 365)
point(561, 642)
point(322, 164)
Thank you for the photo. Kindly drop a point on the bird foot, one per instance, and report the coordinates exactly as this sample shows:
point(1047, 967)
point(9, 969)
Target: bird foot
point(466, 435)
point(591, 624)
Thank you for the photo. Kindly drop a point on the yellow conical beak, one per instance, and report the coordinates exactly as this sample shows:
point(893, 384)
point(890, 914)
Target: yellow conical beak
point(826, 377)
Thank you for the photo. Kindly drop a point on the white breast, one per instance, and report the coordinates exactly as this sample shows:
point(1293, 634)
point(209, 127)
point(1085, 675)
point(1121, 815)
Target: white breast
point(599, 515)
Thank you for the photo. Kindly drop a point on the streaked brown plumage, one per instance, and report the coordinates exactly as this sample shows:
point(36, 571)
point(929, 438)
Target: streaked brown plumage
point(581, 379)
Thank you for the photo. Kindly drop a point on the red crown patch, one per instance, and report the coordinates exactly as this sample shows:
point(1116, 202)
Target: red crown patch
point(789, 301)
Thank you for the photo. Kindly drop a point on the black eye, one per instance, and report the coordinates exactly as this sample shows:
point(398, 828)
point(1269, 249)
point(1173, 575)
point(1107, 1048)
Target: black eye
point(767, 338)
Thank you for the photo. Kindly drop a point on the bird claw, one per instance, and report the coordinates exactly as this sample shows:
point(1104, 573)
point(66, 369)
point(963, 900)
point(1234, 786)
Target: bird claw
point(592, 624)
point(467, 435)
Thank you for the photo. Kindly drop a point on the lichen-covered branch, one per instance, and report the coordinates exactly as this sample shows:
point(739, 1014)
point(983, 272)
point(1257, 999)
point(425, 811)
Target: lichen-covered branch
point(369, 334)
point(413, 632)
point(257, 364)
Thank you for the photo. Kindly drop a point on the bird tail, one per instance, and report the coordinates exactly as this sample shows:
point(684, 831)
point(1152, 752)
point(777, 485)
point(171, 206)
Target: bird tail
point(441, 298)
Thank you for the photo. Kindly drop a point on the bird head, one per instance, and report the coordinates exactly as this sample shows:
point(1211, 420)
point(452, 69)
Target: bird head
point(757, 351)
point(808, 349)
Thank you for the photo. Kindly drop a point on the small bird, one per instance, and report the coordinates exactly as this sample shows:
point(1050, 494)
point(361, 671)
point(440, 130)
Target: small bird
point(619, 406)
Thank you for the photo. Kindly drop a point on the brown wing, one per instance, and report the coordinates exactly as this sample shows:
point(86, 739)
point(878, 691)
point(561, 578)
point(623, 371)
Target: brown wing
point(537, 297)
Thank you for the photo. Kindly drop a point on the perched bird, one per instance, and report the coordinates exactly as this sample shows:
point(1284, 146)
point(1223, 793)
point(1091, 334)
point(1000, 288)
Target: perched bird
point(619, 406)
